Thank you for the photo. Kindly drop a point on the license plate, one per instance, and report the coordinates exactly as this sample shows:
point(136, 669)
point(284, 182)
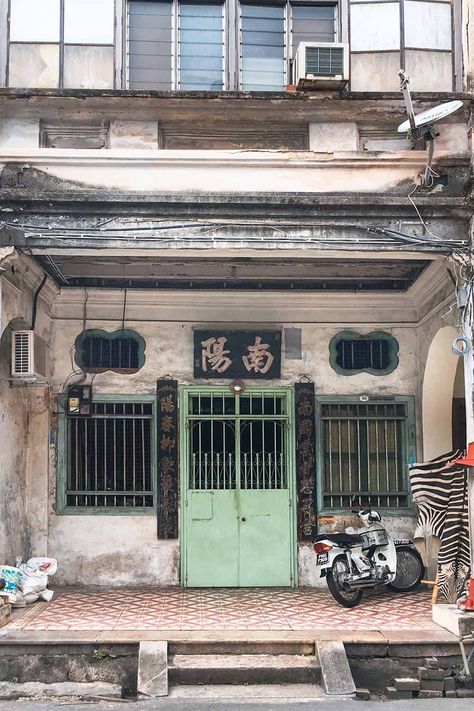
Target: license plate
point(322, 558)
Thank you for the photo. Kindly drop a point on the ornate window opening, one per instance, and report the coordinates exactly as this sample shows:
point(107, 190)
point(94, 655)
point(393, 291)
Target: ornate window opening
point(375, 353)
point(122, 351)
point(109, 457)
point(364, 453)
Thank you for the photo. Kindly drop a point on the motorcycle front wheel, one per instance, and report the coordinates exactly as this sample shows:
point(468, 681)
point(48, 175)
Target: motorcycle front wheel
point(410, 570)
point(347, 598)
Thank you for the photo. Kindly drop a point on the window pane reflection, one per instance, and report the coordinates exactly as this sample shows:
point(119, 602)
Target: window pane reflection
point(262, 48)
point(201, 48)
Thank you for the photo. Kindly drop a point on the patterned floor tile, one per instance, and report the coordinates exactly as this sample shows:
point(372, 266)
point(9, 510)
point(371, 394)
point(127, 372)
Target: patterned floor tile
point(233, 609)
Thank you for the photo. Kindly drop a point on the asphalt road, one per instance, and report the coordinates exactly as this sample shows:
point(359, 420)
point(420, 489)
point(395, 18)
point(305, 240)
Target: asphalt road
point(264, 705)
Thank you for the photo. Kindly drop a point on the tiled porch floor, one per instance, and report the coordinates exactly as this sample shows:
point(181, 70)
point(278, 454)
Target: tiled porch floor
point(225, 609)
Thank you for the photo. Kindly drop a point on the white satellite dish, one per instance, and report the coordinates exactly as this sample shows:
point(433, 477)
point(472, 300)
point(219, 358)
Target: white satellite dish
point(421, 126)
point(428, 117)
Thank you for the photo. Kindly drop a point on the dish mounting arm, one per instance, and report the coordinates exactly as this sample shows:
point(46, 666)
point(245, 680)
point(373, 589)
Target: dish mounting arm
point(426, 132)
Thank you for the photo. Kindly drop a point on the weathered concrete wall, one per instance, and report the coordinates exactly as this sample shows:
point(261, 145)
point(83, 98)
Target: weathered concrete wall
point(123, 549)
point(24, 413)
point(112, 549)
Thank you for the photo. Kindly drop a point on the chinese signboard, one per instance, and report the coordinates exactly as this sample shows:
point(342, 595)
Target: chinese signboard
point(305, 459)
point(167, 455)
point(237, 354)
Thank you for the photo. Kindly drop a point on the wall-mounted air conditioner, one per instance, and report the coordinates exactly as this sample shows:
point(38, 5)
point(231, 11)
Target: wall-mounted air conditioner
point(29, 356)
point(324, 64)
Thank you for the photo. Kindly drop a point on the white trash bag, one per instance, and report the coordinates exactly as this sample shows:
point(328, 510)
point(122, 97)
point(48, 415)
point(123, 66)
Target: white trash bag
point(34, 578)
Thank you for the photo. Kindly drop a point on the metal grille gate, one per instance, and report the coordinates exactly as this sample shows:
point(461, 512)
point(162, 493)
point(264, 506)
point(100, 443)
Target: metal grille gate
point(237, 480)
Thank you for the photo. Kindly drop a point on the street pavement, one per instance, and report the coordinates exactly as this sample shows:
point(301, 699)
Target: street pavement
point(264, 705)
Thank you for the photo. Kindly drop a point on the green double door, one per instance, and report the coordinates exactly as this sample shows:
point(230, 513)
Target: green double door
point(237, 489)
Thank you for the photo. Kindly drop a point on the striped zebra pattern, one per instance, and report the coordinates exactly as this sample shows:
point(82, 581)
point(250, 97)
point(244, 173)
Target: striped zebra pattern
point(440, 493)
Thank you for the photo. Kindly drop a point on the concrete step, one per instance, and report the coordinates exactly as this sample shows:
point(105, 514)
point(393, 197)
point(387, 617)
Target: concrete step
point(213, 669)
point(249, 692)
point(226, 646)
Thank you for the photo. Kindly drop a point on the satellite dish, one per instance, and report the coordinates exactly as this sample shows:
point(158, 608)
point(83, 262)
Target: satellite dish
point(421, 125)
point(432, 115)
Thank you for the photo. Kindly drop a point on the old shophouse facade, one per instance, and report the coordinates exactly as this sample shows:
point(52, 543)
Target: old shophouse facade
point(227, 309)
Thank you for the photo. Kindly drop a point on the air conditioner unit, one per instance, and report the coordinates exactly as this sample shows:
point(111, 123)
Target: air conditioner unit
point(29, 356)
point(321, 64)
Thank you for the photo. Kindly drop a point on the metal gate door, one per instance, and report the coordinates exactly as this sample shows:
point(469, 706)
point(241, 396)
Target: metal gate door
point(237, 489)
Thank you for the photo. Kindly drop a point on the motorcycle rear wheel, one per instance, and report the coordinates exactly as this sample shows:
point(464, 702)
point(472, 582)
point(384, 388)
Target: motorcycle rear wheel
point(346, 598)
point(410, 570)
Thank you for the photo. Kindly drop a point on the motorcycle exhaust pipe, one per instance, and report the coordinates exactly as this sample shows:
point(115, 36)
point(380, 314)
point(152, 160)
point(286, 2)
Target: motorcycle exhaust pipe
point(361, 584)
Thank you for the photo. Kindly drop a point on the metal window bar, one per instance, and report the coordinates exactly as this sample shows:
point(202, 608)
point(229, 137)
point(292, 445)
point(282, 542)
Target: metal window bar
point(363, 455)
point(109, 458)
point(106, 353)
point(222, 444)
point(363, 353)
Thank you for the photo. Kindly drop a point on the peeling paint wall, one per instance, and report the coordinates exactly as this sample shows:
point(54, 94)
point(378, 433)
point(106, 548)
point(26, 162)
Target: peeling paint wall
point(122, 549)
point(24, 413)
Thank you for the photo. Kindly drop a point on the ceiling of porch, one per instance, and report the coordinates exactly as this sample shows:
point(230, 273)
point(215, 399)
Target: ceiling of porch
point(282, 273)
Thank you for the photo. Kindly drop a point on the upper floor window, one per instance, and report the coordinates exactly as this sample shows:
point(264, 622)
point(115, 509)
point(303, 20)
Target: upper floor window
point(61, 43)
point(182, 44)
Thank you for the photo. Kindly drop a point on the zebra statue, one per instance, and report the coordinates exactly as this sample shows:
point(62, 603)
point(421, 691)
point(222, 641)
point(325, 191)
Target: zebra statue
point(439, 490)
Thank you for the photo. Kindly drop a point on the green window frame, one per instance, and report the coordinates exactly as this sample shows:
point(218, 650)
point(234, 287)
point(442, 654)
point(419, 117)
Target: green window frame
point(112, 501)
point(364, 448)
point(374, 354)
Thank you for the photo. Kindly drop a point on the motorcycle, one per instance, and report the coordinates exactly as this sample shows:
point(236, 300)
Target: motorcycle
point(366, 558)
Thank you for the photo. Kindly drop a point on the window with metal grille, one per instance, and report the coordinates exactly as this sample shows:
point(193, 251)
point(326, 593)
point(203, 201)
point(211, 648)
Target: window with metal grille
point(375, 353)
point(109, 457)
point(122, 351)
point(364, 454)
point(237, 442)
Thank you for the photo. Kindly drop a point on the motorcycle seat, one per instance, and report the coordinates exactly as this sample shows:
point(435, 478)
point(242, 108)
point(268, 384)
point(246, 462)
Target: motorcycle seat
point(342, 539)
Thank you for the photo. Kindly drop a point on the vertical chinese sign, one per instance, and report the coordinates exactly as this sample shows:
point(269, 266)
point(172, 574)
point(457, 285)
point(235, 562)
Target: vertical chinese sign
point(167, 457)
point(305, 459)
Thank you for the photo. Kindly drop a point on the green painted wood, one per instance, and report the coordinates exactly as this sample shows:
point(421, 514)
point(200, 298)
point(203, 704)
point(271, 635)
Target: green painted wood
point(212, 539)
point(264, 538)
point(240, 536)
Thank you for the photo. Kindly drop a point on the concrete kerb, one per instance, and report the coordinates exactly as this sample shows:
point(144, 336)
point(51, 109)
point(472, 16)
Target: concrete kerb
point(335, 670)
point(153, 669)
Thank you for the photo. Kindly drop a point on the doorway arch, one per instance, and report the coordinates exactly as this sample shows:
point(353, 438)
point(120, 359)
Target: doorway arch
point(438, 389)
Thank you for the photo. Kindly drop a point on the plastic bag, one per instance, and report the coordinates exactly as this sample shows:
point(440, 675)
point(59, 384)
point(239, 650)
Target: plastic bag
point(12, 577)
point(34, 576)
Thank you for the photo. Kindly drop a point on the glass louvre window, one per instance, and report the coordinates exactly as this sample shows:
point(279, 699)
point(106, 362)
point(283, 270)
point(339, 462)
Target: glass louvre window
point(201, 46)
point(312, 23)
point(262, 48)
point(67, 43)
point(109, 457)
point(150, 48)
point(364, 455)
point(191, 59)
